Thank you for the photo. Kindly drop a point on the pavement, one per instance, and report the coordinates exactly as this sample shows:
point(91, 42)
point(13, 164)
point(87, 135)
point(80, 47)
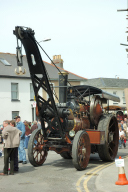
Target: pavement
point(105, 182)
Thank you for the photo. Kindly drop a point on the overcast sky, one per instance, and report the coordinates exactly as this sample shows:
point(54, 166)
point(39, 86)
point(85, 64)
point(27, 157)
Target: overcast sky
point(86, 33)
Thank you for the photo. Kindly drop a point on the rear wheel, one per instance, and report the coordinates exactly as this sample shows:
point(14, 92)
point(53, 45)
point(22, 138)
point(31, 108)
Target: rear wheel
point(36, 154)
point(81, 150)
point(109, 124)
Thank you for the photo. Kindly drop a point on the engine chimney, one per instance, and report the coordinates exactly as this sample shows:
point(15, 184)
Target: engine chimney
point(63, 78)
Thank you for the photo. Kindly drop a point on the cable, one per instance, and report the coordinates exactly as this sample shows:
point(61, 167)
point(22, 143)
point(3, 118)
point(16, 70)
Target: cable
point(51, 61)
point(57, 69)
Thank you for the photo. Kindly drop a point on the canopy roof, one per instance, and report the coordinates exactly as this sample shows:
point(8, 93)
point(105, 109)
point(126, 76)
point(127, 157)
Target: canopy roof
point(86, 90)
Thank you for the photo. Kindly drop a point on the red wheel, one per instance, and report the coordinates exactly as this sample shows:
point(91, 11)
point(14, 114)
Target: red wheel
point(81, 150)
point(109, 124)
point(36, 154)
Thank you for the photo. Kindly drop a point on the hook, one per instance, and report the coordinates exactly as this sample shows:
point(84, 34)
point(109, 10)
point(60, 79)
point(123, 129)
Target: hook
point(20, 71)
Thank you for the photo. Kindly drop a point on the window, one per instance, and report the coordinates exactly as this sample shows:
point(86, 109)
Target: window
point(5, 62)
point(14, 114)
point(14, 91)
point(124, 102)
point(31, 92)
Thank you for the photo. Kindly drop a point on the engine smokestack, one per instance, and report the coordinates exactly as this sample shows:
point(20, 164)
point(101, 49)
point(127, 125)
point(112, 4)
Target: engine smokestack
point(63, 78)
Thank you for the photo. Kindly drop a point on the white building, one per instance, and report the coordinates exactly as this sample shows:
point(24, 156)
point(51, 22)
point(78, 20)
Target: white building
point(16, 92)
point(114, 86)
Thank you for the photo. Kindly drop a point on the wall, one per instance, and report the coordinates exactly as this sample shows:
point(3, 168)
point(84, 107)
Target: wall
point(24, 105)
point(119, 93)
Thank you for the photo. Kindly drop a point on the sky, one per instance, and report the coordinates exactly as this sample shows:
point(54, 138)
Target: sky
point(86, 33)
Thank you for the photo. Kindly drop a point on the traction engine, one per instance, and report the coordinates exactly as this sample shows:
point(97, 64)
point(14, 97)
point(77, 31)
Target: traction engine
point(75, 126)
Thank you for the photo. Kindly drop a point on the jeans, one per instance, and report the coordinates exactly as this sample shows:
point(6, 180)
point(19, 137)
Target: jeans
point(16, 167)
point(22, 153)
point(26, 141)
point(121, 141)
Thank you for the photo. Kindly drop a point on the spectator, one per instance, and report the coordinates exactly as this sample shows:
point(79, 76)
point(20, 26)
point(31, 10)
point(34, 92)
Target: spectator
point(16, 166)
point(127, 132)
point(121, 138)
point(125, 128)
point(34, 126)
point(27, 135)
point(29, 125)
point(122, 122)
point(126, 121)
point(22, 154)
point(11, 137)
point(1, 138)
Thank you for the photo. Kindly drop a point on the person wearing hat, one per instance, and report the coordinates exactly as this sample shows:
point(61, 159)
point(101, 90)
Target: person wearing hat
point(22, 154)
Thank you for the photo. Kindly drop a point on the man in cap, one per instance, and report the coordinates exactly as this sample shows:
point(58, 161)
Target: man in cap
point(22, 154)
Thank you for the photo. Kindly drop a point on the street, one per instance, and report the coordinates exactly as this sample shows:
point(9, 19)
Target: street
point(59, 175)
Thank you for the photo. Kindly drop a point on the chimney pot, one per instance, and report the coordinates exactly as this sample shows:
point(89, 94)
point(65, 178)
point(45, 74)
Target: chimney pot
point(58, 61)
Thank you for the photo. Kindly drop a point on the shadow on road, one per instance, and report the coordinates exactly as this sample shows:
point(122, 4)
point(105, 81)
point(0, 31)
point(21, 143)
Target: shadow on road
point(67, 163)
point(26, 168)
point(64, 163)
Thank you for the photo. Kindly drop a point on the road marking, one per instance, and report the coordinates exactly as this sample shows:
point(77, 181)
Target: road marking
point(80, 179)
point(98, 168)
point(89, 177)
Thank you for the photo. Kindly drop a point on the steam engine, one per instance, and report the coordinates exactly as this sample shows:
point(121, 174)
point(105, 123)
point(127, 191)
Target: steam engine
point(76, 125)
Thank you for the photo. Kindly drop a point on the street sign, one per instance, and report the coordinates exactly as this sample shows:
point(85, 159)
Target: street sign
point(119, 162)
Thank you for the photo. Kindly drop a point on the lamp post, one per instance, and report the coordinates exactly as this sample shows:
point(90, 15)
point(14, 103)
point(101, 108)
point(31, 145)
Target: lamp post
point(116, 76)
point(44, 40)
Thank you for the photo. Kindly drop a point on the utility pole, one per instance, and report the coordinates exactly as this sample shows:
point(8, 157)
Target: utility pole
point(126, 89)
point(127, 27)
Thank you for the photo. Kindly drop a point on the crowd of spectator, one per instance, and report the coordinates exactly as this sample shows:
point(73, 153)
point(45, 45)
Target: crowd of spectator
point(123, 132)
point(29, 128)
point(15, 134)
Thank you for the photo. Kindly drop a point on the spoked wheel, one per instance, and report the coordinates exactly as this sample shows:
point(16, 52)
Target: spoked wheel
point(109, 124)
point(66, 155)
point(81, 150)
point(36, 154)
